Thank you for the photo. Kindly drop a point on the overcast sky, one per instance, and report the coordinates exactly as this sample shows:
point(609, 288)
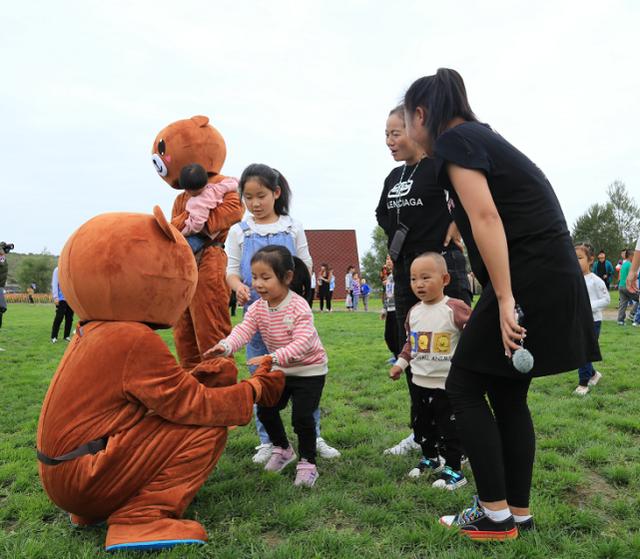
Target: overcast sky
point(302, 86)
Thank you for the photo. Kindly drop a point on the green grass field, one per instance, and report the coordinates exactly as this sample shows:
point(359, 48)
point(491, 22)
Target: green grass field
point(586, 488)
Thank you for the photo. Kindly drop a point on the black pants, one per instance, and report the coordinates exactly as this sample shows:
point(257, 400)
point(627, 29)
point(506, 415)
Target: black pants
point(497, 434)
point(63, 310)
point(305, 393)
point(435, 425)
point(325, 296)
point(3, 305)
point(391, 333)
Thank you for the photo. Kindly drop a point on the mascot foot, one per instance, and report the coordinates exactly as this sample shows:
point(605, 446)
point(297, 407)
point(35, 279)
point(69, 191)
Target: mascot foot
point(159, 534)
point(80, 522)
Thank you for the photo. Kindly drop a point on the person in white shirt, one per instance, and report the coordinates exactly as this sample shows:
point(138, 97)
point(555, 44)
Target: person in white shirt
point(266, 194)
point(600, 299)
point(433, 328)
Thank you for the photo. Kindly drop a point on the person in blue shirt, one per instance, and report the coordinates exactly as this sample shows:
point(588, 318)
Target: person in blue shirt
point(603, 268)
point(63, 310)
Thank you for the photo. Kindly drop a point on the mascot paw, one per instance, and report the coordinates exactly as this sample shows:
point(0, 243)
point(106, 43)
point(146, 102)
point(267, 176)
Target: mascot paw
point(271, 386)
point(159, 534)
point(219, 371)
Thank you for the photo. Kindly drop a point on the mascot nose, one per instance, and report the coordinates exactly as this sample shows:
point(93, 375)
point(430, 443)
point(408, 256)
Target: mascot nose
point(161, 168)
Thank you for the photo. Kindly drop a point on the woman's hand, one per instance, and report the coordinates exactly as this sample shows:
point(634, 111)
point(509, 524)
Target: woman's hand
point(243, 294)
point(509, 327)
point(217, 349)
point(453, 234)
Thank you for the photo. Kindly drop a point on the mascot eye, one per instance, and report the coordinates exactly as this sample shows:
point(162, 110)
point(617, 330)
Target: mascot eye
point(161, 147)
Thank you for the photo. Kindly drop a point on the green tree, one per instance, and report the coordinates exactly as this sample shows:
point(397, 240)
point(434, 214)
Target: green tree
point(36, 268)
point(611, 226)
point(374, 259)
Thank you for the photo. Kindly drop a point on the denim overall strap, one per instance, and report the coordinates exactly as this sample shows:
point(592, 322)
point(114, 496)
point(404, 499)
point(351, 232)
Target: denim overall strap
point(253, 242)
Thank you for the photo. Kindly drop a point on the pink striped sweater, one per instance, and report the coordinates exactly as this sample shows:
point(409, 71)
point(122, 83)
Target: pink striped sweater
point(288, 332)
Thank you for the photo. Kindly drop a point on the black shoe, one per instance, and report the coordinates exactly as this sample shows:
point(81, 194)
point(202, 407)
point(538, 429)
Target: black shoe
point(475, 524)
point(526, 526)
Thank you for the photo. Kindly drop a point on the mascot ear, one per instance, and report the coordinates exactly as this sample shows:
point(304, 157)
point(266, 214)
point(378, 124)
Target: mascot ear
point(164, 224)
point(200, 120)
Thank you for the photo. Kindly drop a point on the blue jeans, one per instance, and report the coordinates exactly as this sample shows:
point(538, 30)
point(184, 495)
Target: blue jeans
point(196, 242)
point(255, 348)
point(587, 371)
point(356, 297)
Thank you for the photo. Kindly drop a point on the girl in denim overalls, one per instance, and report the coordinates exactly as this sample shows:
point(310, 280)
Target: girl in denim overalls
point(266, 194)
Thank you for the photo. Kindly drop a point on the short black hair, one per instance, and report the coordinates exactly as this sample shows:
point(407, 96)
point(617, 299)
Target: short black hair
point(193, 177)
point(269, 178)
point(278, 257)
point(443, 96)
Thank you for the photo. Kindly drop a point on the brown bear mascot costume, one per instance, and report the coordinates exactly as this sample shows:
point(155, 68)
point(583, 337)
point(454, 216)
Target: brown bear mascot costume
point(125, 433)
point(206, 321)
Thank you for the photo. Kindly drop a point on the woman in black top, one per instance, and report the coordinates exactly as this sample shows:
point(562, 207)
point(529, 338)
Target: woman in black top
point(411, 197)
point(514, 230)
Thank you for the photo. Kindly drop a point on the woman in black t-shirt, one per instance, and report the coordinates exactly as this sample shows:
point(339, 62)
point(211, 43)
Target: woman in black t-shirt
point(411, 197)
point(514, 230)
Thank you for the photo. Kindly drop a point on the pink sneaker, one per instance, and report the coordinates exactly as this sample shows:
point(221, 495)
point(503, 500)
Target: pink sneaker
point(306, 474)
point(280, 457)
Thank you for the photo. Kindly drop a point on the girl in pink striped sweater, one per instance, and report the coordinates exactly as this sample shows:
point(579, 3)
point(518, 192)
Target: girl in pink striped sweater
point(285, 323)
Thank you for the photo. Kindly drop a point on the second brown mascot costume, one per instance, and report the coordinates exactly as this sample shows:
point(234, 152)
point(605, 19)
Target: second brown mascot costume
point(206, 321)
point(126, 434)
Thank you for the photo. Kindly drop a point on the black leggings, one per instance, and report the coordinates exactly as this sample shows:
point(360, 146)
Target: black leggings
point(499, 440)
point(325, 295)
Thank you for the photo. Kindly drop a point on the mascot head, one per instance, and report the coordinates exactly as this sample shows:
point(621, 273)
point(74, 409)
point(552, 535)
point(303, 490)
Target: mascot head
point(127, 266)
point(192, 140)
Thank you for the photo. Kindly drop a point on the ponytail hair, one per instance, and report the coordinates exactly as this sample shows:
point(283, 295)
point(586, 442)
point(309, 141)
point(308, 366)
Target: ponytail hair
point(443, 97)
point(269, 178)
point(301, 282)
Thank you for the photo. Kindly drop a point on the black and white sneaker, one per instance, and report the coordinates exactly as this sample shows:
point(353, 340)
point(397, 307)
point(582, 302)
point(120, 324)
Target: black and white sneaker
point(427, 466)
point(450, 479)
point(475, 524)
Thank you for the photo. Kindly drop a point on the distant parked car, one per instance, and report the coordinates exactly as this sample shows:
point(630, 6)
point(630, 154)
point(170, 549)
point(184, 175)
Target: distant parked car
point(12, 288)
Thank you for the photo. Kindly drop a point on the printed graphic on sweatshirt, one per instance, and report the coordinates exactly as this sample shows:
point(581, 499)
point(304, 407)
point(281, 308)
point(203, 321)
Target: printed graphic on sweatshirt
point(430, 346)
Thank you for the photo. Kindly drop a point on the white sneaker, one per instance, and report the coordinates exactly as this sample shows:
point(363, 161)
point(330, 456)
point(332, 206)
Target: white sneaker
point(405, 446)
point(581, 390)
point(54, 340)
point(263, 454)
point(324, 450)
point(595, 379)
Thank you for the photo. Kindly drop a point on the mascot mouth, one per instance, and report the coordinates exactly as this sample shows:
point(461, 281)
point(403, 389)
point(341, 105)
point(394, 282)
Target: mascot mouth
point(158, 163)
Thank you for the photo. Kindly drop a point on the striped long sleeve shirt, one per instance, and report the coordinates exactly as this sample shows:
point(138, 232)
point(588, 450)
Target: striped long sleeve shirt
point(288, 332)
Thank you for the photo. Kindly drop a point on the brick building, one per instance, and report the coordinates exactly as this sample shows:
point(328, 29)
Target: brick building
point(336, 247)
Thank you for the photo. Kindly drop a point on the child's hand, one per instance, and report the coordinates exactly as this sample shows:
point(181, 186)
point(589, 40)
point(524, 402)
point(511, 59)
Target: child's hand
point(256, 360)
point(243, 294)
point(395, 372)
point(383, 314)
point(217, 349)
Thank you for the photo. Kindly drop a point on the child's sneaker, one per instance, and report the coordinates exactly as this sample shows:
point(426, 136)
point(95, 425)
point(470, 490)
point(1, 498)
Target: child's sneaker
point(263, 454)
point(280, 457)
point(581, 391)
point(450, 479)
point(306, 474)
point(324, 450)
point(405, 446)
point(595, 379)
point(54, 340)
point(475, 524)
point(427, 466)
